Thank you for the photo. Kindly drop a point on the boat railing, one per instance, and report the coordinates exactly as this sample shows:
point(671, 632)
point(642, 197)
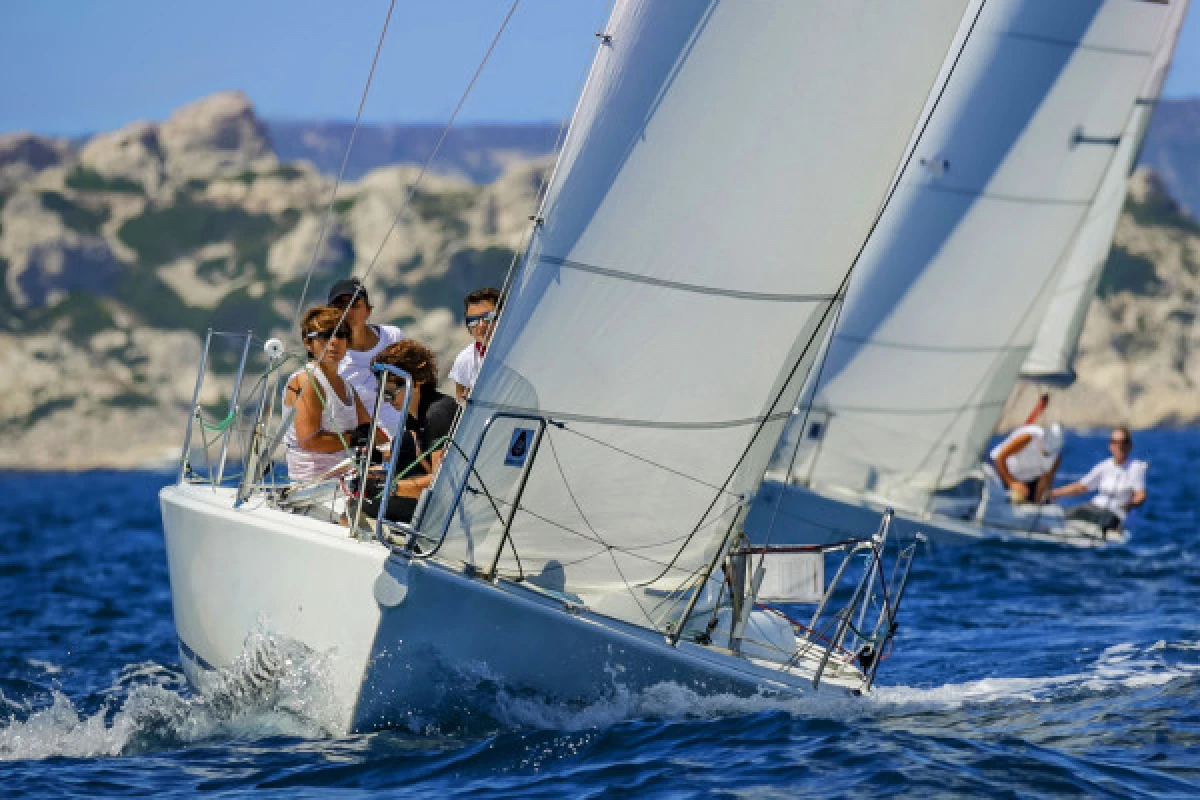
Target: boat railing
point(233, 441)
point(843, 636)
point(490, 568)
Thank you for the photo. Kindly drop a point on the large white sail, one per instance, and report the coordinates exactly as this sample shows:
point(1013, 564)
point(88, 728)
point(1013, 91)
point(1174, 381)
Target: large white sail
point(725, 166)
point(947, 298)
point(1050, 359)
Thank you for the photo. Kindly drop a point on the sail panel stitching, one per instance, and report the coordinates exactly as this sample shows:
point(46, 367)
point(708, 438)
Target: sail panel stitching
point(662, 283)
point(562, 416)
point(932, 348)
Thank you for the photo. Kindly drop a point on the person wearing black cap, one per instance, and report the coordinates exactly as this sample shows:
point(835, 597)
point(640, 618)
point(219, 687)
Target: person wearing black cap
point(366, 342)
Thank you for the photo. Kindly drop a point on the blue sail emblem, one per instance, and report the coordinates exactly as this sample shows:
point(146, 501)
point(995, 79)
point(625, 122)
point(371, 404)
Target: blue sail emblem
point(518, 447)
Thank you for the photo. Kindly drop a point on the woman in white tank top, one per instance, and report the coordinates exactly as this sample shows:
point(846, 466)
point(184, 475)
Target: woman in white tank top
point(327, 408)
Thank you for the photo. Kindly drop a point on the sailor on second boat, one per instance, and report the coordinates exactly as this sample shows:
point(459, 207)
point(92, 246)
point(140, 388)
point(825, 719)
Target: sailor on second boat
point(1027, 461)
point(1119, 483)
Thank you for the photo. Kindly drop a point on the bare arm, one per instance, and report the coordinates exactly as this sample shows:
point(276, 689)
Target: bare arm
point(1070, 490)
point(460, 393)
point(308, 422)
point(1011, 448)
point(1046, 481)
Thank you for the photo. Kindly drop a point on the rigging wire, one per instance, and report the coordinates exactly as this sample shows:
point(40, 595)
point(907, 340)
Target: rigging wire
point(413, 188)
point(312, 264)
point(608, 548)
point(840, 293)
point(823, 357)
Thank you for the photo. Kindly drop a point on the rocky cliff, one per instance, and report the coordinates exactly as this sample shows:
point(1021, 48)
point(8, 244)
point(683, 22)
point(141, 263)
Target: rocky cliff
point(116, 255)
point(1139, 356)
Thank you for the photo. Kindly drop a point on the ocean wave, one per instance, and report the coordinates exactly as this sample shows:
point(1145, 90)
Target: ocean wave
point(280, 688)
point(275, 688)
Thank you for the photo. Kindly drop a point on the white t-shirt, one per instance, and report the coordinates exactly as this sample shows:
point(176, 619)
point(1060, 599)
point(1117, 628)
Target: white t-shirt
point(466, 366)
point(355, 370)
point(1114, 485)
point(1030, 462)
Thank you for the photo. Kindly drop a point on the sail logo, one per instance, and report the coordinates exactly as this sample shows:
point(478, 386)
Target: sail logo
point(518, 447)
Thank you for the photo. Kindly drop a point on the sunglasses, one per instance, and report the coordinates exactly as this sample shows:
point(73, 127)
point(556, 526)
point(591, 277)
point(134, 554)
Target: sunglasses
point(340, 333)
point(487, 316)
point(391, 395)
point(1119, 442)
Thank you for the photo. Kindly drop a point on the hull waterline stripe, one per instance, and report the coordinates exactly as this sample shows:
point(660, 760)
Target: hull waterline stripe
point(605, 272)
point(190, 654)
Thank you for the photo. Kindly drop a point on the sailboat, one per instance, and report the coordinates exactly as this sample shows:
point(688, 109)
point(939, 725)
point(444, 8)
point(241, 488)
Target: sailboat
point(724, 168)
point(982, 270)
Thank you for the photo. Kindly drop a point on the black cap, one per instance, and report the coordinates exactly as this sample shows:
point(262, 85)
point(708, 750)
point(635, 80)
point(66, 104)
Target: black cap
point(350, 287)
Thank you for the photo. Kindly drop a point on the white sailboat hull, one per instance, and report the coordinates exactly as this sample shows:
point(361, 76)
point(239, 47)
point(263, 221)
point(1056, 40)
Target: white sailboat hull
point(405, 638)
point(838, 515)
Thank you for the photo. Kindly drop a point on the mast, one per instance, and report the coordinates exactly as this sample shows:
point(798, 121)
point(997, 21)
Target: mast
point(726, 164)
point(950, 291)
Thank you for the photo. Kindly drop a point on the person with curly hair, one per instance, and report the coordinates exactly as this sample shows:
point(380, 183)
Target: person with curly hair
point(430, 419)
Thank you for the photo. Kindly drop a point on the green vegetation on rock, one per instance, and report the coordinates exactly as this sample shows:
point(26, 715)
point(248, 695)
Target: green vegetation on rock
point(73, 215)
point(469, 269)
point(444, 208)
point(47, 409)
point(131, 400)
point(86, 179)
point(162, 235)
point(1161, 210)
point(1128, 272)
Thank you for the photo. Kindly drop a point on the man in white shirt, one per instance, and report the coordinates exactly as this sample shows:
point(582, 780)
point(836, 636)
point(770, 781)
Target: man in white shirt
point(482, 307)
point(366, 342)
point(1119, 483)
point(1027, 460)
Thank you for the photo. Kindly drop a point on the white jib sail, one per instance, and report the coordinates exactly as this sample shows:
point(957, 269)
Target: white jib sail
point(946, 300)
point(725, 165)
point(1053, 352)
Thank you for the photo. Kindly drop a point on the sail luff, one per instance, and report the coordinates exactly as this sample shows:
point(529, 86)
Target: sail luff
point(1051, 358)
point(703, 216)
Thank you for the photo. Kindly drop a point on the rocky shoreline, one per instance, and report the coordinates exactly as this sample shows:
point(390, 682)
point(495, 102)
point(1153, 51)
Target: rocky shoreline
point(117, 254)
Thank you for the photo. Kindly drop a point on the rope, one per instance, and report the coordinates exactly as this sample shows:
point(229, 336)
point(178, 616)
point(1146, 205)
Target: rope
point(218, 427)
point(312, 265)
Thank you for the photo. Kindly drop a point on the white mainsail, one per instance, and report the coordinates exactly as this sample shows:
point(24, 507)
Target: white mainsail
point(1050, 359)
point(948, 295)
point(725, 165)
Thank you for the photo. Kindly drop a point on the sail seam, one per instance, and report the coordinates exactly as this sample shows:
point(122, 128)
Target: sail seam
point(919, 411)
point(558, 416)
point(1005, 198)
point(662, 283)
point(1078, 45)
point(934, 348)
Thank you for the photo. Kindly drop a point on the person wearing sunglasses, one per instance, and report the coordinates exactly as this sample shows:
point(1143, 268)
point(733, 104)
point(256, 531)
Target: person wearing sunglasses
point(427, 427)
point(327, 407)
point(367, 340)
point(1119, 483)
point(482, 307)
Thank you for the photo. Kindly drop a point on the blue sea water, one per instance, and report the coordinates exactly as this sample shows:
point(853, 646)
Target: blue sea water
point(1019, 671)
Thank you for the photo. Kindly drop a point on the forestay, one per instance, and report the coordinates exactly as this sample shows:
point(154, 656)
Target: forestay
point(1053, 353)
point(725, 165)
point(948, 295)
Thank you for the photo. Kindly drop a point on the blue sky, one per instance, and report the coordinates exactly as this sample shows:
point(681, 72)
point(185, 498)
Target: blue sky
point(77, 66)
